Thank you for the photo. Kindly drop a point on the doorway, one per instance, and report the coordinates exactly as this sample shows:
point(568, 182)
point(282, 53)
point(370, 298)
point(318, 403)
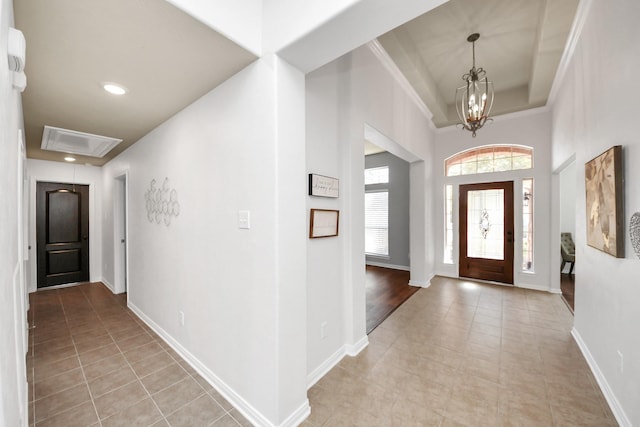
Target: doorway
point(567, 204)
point(120, 234)
point(486, 231)
point(393, 179)
point(62, 233)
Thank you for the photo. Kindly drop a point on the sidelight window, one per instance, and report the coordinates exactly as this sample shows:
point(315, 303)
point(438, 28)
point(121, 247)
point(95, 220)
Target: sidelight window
point(448, 224)
point(527, 224)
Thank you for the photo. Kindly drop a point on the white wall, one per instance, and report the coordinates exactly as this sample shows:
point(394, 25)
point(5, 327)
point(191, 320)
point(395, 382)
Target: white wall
point(342, 98)
point(45, 171)
point(13, 380)
point(237, 148)
point(531, 128)
point(325, 281)
point(596, 109)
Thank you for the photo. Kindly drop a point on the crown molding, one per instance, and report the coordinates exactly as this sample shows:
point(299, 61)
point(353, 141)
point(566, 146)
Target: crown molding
point(572, 41)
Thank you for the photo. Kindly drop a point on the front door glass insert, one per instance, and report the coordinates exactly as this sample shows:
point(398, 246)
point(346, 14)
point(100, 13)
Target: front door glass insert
point(485, 219)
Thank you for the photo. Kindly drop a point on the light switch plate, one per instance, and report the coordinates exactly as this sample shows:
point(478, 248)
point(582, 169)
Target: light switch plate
point(244, 220)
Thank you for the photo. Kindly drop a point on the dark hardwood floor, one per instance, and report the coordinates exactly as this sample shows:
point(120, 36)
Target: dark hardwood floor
point(386, 290)
point(568, 286)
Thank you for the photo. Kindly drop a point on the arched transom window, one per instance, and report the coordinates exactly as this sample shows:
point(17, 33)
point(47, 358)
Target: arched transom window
point(490, 158)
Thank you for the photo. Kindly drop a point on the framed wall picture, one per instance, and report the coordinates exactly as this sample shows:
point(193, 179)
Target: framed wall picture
point(604, 195)
point(323, 223)
point(323, 186)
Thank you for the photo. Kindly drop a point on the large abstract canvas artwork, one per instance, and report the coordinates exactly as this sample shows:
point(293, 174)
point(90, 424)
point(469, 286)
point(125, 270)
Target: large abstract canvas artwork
point(605, 215)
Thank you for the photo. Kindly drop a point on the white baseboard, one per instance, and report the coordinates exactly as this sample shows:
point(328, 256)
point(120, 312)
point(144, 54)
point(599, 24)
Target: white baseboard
point(419, 284)
point(532, 287)
point(325, 367)
point(517, 285)
point(355, 349)
point(298, 416)
point(391, 266)
point(351, 350)
point(245, 408)
point(617, 410)
point(108, 285)
point(25, 415)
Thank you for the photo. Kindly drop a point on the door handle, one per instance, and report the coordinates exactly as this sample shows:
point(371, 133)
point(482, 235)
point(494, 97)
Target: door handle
point(121, 240)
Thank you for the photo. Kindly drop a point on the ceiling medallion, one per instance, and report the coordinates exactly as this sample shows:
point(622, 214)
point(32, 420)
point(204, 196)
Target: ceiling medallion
point(475, 98)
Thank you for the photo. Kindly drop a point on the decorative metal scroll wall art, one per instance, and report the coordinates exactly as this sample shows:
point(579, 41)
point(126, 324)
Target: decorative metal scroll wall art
point(634, 230)
point(162, 203)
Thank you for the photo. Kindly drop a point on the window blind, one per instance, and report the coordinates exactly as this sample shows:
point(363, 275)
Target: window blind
point(376, 223)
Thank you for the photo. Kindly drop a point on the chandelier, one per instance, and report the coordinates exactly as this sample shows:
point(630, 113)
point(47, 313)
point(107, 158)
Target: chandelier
point(475, 98)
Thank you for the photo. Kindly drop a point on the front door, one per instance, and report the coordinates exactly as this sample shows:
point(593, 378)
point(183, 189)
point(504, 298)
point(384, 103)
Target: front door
point(486, 231)
point(62, 233)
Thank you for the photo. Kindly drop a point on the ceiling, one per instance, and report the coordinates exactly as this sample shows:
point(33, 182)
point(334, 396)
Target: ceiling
point(521, 44)
point(167, 59)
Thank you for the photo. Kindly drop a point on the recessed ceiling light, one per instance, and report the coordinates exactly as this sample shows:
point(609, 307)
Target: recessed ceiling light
point(114, 88)
point(70, 159)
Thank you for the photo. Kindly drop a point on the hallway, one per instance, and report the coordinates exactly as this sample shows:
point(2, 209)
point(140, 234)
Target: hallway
point(92, 362)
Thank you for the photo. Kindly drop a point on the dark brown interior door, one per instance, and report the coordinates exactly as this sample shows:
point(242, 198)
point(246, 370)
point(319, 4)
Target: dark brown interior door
point(486, 231)
point(62, 233)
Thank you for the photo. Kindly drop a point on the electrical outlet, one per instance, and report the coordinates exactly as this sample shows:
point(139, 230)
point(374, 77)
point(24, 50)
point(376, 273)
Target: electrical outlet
point(181, 317)
point(621, 356)
point(323, 330)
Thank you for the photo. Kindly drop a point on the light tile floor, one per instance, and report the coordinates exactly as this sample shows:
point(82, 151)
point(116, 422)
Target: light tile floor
point(455, 354)
point(92, 362)
point(465, 354)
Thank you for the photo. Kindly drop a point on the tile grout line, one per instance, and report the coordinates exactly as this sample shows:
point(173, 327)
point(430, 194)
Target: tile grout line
point(155, 339)
point(33, 365)
point(80, 360)
point(204, 392)
point(77, 355)
point(133, 370)
point(226, 412)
